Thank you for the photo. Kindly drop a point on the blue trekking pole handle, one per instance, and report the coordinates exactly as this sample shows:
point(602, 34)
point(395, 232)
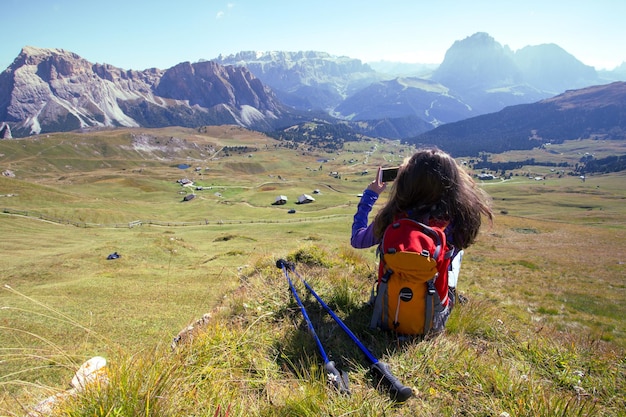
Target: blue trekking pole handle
point(397, 390)
point(337, 378)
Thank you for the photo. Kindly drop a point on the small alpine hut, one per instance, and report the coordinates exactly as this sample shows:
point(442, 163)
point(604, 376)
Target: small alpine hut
point(305, 198)
point(280, 200)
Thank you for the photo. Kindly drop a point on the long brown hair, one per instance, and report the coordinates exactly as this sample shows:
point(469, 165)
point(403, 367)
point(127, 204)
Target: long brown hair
point(430, 184)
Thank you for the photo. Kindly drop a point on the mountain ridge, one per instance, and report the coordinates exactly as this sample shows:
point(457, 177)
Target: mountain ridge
point(478, 75)
point(596, 111)
point(48, 90)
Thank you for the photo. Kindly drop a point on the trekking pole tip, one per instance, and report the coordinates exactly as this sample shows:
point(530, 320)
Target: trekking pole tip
point(337, 378)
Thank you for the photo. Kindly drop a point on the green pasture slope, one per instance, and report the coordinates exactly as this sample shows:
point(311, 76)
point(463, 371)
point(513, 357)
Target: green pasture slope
point(543, 334)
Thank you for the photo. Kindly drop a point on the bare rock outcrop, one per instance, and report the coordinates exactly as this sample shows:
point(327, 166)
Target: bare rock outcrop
point(5, 131)
point(50, 90)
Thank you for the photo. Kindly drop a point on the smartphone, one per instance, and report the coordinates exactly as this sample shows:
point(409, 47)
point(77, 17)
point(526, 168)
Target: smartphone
point(388, 174)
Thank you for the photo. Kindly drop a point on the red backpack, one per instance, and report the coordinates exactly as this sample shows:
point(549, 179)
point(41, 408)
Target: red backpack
point(413, 277)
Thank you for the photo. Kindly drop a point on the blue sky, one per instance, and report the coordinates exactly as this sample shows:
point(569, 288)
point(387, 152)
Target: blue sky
point(137, 34)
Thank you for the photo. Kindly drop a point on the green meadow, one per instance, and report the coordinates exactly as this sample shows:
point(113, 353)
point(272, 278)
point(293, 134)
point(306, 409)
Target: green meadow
point(543, 332)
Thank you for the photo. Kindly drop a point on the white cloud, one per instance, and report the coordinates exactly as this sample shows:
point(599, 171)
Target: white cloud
point(222, 13)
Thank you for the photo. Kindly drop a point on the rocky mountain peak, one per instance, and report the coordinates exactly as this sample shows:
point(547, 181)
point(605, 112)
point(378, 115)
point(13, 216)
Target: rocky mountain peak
point(306, 80)
point(55, 90)
point(208, 84)
point(477, 61)
point(245, 57)
point(50, 62)
point(549, 67)
point(32, 55)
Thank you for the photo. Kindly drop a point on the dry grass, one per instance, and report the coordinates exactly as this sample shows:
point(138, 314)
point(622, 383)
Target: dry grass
point(543, 333)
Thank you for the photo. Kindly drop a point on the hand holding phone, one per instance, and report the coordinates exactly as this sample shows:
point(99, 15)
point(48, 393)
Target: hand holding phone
point(378, 186)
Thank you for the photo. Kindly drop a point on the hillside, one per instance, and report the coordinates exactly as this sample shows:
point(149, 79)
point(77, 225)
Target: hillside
point(542, 332)
point(597, 111)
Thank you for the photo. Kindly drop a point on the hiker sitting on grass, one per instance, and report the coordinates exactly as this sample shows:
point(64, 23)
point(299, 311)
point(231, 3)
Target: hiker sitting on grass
point(431, 189)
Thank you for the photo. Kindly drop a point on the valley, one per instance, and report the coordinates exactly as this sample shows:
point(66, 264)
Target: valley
point(550, 267)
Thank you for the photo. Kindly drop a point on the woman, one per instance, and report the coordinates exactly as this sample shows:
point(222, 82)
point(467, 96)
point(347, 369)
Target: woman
point(432, 189)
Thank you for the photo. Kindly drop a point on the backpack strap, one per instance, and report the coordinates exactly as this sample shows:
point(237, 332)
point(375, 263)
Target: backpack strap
point(430, 305)
point(436, 238)
point(449, 252)
point(380, 303)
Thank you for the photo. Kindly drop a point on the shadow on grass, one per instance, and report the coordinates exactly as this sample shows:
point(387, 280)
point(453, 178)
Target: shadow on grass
point(301, 355)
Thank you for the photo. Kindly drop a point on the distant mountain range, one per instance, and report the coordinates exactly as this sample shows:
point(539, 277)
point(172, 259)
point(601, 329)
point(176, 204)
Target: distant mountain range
point(477, 76)
point(48, 90)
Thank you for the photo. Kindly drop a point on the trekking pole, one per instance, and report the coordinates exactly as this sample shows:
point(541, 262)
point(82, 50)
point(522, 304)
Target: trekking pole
point(337, 378)
point(397, 391)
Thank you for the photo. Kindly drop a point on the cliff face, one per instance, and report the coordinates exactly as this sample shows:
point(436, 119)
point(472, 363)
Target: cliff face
point(208, 84)
point(47, 90)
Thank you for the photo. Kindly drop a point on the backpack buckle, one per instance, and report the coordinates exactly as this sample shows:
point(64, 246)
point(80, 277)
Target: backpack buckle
point(431, 287)
point(386, 275)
